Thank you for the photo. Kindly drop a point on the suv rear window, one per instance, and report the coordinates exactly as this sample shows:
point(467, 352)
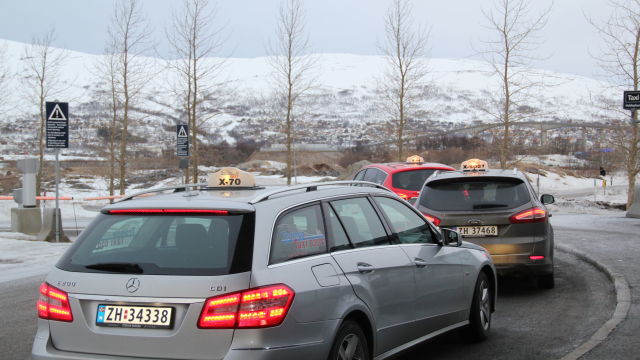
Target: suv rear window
point(468, 194)
point(164, 245)
point(410, 180)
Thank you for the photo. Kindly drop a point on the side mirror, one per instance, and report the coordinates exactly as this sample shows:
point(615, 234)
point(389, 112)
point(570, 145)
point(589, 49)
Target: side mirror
point(547, 199)
point(451, 237)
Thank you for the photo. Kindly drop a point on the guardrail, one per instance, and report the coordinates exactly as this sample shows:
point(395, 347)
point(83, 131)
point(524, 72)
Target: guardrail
point(111, 197)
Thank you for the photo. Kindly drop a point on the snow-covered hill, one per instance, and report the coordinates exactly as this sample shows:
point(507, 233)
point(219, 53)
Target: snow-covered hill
point(343, 108)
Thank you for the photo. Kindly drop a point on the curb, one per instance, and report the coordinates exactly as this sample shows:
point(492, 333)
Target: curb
point(623, 302)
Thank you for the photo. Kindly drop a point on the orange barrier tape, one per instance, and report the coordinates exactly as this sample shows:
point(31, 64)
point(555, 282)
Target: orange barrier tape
point(53, 198)
point(6, 197)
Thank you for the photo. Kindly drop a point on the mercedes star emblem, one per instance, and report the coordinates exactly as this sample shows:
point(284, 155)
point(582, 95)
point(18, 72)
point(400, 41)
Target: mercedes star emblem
point(133, 285)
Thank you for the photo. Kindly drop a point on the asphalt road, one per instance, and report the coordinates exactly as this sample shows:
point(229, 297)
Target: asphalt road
point(529, 323)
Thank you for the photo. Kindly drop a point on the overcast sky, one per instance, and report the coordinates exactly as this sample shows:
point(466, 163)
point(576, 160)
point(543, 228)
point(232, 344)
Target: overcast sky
point(334, 26)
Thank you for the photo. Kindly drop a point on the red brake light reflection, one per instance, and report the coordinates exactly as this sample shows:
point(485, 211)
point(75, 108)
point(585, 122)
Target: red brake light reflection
point(432, 218)
point(168, 211)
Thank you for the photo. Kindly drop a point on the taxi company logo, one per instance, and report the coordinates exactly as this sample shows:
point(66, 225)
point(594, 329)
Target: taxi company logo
point(133, 285)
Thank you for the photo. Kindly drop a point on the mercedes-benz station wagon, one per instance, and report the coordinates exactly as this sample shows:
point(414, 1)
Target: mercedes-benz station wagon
point(231, 270)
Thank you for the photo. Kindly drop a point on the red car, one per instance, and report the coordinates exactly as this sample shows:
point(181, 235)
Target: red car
point(405, 179)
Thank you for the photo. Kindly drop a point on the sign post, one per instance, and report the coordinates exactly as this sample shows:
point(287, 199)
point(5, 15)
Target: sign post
point(631, 102)
point(182, 148)
point(57, 115)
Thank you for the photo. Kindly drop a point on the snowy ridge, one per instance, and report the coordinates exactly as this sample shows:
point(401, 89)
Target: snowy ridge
point(343, 108)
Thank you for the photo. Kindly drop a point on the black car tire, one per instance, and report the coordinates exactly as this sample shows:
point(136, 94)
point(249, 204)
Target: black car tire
point(350, 343)
point(480, 313)
point(546, 281)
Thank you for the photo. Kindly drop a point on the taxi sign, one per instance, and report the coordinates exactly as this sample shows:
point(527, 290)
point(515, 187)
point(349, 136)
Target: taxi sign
point(415, 159)
point(231, 177)
point(474, 165)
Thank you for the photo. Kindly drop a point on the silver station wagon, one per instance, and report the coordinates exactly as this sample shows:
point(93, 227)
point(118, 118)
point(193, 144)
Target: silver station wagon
point(230, 270)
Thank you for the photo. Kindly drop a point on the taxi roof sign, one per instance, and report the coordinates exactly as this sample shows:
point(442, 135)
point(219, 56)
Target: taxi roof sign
point(474, 165)
point(231, 177)
point(415, 159)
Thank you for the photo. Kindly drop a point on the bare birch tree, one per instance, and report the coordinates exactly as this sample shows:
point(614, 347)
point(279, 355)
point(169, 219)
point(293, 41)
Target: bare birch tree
point(292, 67)
point(404, 49)
point(108, 73)
point(621, 60)
point(510, 52)
point(129, 36)
point(42, 81)
point(195, 40)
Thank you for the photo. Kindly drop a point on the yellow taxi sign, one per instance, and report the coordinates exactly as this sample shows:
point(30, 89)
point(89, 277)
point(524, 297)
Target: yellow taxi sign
point(415, 159)
point(474, 165)
point(231, 177)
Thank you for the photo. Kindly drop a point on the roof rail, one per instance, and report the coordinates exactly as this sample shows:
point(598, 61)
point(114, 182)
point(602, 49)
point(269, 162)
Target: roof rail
point(177, 188)
point(313, 187)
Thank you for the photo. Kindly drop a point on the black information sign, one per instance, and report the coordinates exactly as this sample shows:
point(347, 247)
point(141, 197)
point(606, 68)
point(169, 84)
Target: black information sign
point(57, 116)
point(182, 136)
point(631, 100)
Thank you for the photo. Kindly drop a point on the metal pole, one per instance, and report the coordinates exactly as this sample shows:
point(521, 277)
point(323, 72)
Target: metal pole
point(57, 210)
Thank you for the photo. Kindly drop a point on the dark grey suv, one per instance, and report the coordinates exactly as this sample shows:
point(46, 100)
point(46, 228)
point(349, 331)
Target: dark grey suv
point(497, 209)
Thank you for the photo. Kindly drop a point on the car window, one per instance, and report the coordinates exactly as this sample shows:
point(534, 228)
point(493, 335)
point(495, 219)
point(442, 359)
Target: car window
point(336, 231)
point(360, 175)
point(469, 194)
point(298, 233)
point(410, 180)
point(375, 176)
point(361, 222)
point(166, 244)
point(408, 226)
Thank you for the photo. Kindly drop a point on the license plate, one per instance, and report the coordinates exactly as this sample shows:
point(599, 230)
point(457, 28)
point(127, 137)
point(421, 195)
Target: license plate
point(478, 231)
point(133, 316)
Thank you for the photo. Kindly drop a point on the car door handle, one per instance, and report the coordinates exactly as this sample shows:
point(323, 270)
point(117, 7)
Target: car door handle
point(365, 268)
point(420, 263)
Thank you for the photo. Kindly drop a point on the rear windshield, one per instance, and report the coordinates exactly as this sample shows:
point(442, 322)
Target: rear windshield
point(470, 194)
point(410, 180)
point(164, 245)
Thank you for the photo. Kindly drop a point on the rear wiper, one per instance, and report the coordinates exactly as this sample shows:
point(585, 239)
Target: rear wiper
point(487, 206)
point(128, 268)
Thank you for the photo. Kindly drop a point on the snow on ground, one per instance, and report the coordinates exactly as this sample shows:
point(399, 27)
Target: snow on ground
point(21, 256)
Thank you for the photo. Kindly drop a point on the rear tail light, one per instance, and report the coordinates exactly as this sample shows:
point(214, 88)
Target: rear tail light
point(536, 257)
point(53, 304)
point(254, 308)
point(432, 218)
point(532, 215)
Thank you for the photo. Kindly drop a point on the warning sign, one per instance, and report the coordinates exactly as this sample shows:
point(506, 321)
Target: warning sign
point(182, 136)
point(57, 125)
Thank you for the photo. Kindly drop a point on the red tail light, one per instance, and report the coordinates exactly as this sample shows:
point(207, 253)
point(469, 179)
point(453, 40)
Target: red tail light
point(53, 304)
point(536, 257)
point(259, 307)
point(432, 218)
point(532, 215)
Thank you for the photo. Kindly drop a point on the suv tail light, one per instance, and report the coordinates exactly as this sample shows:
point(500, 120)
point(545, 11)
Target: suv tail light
point(254, 308)
point(532, 215)
point(432, 218)
point(53, 304)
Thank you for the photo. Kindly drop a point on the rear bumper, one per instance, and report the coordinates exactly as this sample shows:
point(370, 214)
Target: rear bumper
point(527, 267)
point(43, 349)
